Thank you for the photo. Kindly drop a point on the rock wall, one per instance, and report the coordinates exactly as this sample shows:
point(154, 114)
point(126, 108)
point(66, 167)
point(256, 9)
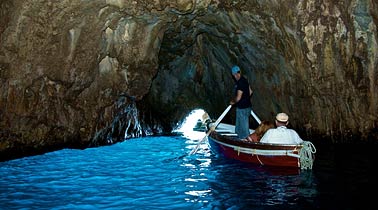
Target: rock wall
point(88, 73)
point(316, 60)
point(71, 71)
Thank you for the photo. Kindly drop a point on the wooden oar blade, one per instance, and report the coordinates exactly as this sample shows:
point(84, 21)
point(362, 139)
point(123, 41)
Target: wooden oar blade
point(199, 143)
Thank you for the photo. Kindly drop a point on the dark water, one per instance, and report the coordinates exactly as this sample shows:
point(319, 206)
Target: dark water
point(157, 173)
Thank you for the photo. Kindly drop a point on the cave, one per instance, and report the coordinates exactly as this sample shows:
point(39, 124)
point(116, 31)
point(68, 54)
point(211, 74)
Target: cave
point(91, 73)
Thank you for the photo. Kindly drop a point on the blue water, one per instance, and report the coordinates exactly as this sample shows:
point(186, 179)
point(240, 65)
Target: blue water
point(158, 173)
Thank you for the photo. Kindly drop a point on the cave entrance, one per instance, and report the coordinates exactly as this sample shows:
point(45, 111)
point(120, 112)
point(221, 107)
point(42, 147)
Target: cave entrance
point(191, 121)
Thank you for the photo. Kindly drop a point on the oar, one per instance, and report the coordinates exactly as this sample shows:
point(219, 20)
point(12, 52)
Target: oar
point(209, 131)
point(255, 116)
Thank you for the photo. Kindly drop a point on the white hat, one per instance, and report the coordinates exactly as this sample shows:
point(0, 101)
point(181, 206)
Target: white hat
point(282, 117)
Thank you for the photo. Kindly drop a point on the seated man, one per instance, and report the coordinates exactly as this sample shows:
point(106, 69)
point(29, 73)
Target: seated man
point(260, 130)
point(281, 134)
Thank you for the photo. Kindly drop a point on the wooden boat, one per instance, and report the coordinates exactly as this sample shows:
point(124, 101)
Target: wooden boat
point(225, 142)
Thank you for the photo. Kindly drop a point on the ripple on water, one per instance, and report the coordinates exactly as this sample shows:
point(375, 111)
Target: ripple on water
point(144, 173)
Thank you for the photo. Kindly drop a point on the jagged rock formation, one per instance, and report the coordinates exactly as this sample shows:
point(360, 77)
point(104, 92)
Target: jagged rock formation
point(89, 73)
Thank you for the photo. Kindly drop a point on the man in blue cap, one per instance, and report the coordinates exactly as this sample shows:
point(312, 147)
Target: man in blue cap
point(242, 101)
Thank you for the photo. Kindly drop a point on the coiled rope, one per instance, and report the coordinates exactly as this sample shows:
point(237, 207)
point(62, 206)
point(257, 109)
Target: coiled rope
point(306, 155)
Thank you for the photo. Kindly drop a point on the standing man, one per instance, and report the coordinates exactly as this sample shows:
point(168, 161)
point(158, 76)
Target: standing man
point(242, 101)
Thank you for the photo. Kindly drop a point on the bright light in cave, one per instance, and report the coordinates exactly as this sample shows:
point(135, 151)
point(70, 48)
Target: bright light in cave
point(186, 128)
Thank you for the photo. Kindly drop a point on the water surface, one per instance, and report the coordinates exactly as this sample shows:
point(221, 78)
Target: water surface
point(158, 173)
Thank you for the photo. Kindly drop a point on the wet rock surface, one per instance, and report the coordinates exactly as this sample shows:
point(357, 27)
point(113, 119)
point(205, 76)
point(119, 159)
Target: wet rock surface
point(79, 74)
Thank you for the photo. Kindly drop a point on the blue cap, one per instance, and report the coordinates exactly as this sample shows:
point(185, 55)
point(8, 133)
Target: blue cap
point(235, 69)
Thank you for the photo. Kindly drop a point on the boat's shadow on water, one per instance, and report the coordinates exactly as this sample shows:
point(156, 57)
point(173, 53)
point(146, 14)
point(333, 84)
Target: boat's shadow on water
point(261, 186)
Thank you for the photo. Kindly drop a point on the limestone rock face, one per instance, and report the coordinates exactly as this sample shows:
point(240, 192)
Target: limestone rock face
point(89, 73)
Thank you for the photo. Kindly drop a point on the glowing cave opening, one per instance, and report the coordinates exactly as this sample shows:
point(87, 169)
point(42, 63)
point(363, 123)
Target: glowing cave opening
point(190, 122)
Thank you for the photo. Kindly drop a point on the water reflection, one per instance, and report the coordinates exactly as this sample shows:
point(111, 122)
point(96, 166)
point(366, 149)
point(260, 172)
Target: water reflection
point(258, 186)
point(146, 173)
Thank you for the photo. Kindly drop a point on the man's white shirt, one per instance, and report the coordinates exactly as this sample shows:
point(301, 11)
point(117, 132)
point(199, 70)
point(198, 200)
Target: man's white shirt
point(281, 135)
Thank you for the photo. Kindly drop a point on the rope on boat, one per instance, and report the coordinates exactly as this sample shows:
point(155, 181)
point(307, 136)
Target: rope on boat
point(306, 155)
point(259, 160)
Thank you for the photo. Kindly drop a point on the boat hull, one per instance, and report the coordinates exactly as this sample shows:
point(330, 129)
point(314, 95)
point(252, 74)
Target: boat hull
point(256, 153)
